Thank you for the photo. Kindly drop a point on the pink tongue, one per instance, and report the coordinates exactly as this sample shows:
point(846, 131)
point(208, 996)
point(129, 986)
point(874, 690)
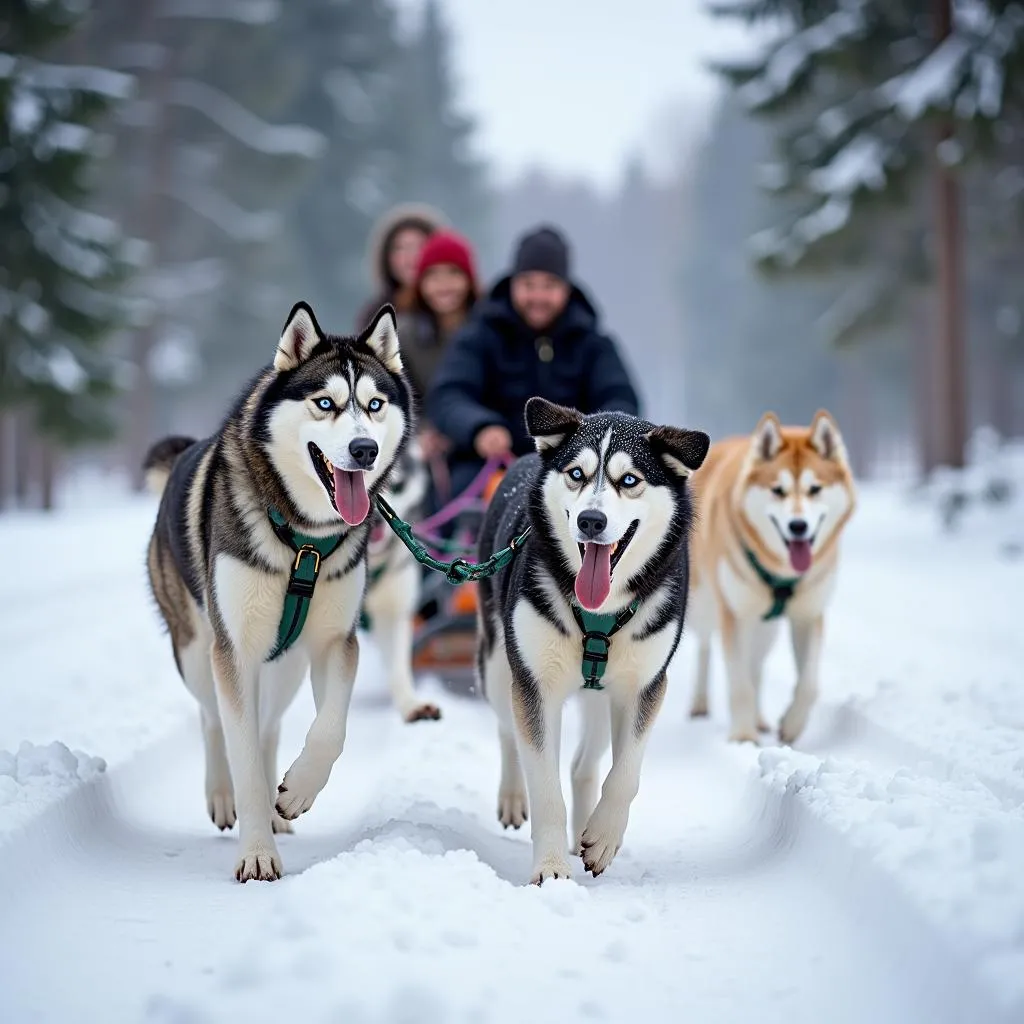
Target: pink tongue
point(800, 556)
point(594, 580)
point(350, 496)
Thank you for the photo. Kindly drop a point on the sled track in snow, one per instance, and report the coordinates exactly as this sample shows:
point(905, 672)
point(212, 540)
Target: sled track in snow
point(740, 895)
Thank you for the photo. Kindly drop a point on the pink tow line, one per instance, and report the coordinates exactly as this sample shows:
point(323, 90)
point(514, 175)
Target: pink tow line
point(465, 500)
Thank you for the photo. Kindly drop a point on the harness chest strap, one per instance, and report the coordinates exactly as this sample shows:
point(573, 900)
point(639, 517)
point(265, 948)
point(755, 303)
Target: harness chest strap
point(782, 587)
point(598, 631)
point(309, 553)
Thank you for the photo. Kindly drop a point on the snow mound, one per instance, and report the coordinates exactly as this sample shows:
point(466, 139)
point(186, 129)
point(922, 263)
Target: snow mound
point(949, 842)
point(37, 776)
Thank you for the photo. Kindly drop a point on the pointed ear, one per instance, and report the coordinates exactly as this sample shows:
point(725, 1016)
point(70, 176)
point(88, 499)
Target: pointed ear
point(766, 441)
point(300, 336)
point(825, 437)
point(382, 338)
point(549, 424)
point(682, 451)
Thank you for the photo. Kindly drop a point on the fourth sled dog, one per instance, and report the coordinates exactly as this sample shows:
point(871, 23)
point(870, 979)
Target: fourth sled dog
point(607, 498)
point(772, 508)
point(286, 482)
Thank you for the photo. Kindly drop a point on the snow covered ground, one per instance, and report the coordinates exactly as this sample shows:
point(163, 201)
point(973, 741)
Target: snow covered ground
point(872, 875)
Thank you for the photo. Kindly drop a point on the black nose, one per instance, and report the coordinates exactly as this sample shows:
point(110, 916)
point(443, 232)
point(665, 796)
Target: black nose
point(364, 451)
point(591, 522)
point(797, 527)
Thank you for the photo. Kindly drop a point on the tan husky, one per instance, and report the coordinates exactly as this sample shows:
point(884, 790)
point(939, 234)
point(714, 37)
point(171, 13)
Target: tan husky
point(771, 508)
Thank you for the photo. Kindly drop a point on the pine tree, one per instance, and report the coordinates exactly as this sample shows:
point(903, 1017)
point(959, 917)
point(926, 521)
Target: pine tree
point(60, 262)
point(874, 99)
point(206, 174)
point(435, 161)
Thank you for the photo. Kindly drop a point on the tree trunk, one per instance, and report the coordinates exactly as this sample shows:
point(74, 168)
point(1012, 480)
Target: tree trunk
point(951, 364)
point(856, 422)
point(47, 456)
point(23, 459)
point(921, 367)
point(152, 223)
point(6, 448)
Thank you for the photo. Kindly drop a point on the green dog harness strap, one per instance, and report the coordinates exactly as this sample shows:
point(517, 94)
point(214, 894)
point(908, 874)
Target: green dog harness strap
point(365, 622)
point(782, 587)
point(309, 553)
point(459, 570)
point(598, 631)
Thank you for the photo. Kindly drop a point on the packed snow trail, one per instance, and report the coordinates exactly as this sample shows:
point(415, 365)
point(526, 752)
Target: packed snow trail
point(719, 902)
point(872, 876)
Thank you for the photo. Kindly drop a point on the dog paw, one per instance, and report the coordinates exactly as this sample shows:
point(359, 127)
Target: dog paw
point(762, 724)
point(279, 826)
point(423, 713)
point(260, 863)
point(552, 866)
point(512, 808)
point(602, 839)
point(699, 707)
point(220, 805)
point(300, 786)
point(791, 726)
point(744, 735)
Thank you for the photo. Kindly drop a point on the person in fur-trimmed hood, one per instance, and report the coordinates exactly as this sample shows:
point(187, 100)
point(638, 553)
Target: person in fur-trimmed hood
point(537, 333)
point(393, 254)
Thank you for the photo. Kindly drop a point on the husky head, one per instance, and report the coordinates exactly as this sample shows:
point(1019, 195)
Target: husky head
point(613, 494)
point(796, 490)
point(336, 415)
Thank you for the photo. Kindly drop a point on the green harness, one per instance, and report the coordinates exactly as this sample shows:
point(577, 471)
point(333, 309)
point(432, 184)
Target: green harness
point(598, 631)
point(782, 587)
point(309, 553)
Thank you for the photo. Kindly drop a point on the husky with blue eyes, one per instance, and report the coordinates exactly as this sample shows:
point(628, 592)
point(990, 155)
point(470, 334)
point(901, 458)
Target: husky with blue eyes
point(258, 563)
point(593, 605)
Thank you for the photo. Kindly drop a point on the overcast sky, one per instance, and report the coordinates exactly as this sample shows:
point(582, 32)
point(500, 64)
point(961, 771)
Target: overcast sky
point(575, 85)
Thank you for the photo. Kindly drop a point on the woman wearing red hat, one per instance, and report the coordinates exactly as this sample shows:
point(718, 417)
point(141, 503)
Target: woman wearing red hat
point(446, 291)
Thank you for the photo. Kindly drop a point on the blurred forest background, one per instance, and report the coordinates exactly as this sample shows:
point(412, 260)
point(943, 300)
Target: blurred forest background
point(843, 229)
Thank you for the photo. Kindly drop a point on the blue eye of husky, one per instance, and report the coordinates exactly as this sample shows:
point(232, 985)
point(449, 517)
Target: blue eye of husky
point(576, 474)
point(324, 403)
point(375, 405)
point(629, 480)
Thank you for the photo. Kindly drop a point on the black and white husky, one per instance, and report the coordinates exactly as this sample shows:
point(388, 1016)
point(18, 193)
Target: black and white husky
point(285, 484)
point(607, 498)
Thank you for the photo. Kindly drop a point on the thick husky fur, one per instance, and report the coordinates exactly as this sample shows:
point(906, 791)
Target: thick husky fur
point(393, 587)
point(607, 496)
point(783, 495)
point(315, 436)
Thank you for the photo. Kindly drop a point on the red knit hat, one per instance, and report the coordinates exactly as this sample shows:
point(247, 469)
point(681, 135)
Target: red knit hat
point(447, 247)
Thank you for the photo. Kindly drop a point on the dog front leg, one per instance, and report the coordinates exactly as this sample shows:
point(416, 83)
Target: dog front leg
point(806, 634)
point(393, 636)
point(333, 675)
point(632, 715)
point(539, 727)
point(238, 701)
point(742, 692)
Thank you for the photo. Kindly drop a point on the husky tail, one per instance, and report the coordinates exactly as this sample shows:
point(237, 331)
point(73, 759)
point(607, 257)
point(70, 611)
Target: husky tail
point(160, 460)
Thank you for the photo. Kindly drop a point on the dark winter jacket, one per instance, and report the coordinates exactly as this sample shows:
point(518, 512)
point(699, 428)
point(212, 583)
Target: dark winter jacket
point(494, 365)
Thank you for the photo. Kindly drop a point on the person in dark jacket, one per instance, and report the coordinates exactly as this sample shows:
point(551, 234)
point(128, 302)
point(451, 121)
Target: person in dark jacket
point(537, 333)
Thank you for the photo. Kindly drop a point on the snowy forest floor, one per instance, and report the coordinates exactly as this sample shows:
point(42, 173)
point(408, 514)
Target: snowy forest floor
point(871, 875)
